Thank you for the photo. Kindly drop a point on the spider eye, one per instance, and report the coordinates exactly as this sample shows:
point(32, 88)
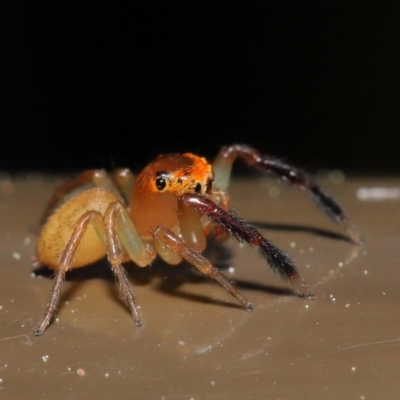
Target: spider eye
point(161, 182)
point(197, 189)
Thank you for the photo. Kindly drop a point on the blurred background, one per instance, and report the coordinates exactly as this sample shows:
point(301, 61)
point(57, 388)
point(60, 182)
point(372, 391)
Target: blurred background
point(106, 85)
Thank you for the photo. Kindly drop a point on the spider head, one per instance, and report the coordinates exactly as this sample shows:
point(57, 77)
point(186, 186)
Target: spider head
point(178, 174)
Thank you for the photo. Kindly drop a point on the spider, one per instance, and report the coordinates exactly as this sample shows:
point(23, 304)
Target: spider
point(167, 210)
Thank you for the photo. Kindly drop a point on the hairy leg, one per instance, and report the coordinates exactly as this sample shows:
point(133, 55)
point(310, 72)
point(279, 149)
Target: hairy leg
point(64, 264)
point(223, 164)
point(244, 232)
point(195, 258)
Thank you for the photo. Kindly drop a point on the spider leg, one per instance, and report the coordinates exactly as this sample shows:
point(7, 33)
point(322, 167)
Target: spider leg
point(244, 232)
point(125, 180)
point(65, 263)
point(195, 258)
point(122, 238)
point(295, 176)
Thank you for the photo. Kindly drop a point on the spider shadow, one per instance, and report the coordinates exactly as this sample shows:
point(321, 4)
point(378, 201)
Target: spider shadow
point(302, 228)
point(169, 278)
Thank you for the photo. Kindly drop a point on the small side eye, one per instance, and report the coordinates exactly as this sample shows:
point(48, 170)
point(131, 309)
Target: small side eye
point(161, 182)
point(197, 189)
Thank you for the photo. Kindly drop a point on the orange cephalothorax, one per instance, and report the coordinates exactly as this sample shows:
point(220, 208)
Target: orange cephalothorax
point(177, 174)
point(161, 183)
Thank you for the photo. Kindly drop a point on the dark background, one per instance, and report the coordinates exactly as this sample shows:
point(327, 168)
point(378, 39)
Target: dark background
point(103, 85)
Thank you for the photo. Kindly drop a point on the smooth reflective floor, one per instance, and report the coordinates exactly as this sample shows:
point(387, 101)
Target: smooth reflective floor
point(196, 343)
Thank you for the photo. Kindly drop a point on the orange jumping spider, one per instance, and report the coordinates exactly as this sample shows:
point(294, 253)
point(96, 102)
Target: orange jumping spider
point(159, 213)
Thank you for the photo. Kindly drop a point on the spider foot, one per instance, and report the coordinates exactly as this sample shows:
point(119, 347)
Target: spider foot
point(138, 322)
point(249, 307)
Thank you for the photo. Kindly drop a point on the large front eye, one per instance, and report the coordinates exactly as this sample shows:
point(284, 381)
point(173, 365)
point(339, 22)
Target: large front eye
point(161, 182)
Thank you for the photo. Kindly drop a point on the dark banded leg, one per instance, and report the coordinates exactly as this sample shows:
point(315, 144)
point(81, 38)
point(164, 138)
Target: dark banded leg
point(223, 164)
point(244, 232)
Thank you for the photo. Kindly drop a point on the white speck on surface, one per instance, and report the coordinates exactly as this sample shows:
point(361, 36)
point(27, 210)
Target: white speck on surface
point(353, 369)
point(383, 293)
point(347, 305)
point(16, 256)
point(106, 375)
point(231, 270)
point(365, 272)
point(340, 264)
point(336, 176)
point(292, 245)
point(45, 358)
point(307, 306)
point(204, 349)
point(274, 192)
point(212, 383)
point(27, 240)
point(378, 194)
point(81, 372)
point(181, 343)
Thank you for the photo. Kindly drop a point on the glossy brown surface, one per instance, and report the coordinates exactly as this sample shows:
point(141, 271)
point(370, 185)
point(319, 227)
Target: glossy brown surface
point(196, 343)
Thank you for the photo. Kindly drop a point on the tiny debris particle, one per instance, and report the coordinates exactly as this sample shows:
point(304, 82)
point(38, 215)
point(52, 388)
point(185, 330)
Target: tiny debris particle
point(231, 270)
point(274, 192)
point(293, 245)
point(365, 272)
point(81, 372)
point(353, 369)
point(16, 256)
point(347, 305)
point(106, 375)
point(212, 383)
point(340, 264)
point(45, 358)
point(336, 176)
